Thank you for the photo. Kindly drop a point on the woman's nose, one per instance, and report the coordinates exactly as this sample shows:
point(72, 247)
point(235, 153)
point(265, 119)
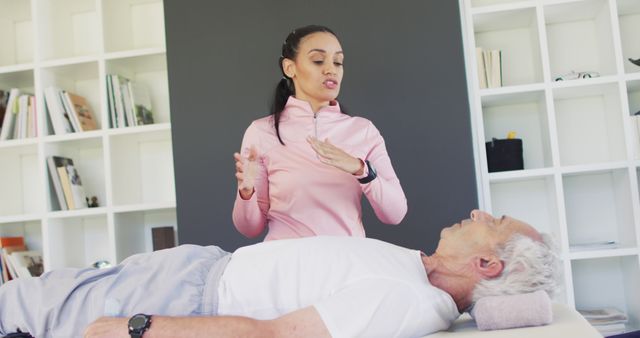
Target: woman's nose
point(478, 215)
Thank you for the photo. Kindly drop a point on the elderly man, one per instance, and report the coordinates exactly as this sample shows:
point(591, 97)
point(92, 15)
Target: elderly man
point(309, 287)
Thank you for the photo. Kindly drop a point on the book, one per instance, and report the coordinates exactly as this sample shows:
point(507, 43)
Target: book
point(66, 187)
point(111, 103)
point(4, 98)
point(9, 272)
point(26, 263)
point(57, 114)
point(599, 245)
point(77, 190)
point(10, 115)
point(57, 185)
point(141, 102)
point(604, 316)
point(68, 182)
point(82, 112)
point(116, 83)
point(163, 238)
point(482, 74)
point(66, 104)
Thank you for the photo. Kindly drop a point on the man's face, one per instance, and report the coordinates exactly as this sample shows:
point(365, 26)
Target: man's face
point(481, 234)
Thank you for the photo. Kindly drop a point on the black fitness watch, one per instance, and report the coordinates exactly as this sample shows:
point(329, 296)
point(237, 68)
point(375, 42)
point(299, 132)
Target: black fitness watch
point(139, 324)
point(371, 176)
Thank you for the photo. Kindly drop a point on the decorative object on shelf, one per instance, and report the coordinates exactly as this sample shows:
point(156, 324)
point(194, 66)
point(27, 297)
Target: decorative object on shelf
point(93, 203)
point(572, 75)
point(635, 62)
point(504, 154)
point(163, 237)
point(101, 264)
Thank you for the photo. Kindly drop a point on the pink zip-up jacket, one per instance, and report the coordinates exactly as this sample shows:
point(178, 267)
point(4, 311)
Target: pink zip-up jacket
point(296, 195)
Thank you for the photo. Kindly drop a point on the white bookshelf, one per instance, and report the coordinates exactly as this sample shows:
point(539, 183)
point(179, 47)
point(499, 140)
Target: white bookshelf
point(74, 44)
point(581, 145)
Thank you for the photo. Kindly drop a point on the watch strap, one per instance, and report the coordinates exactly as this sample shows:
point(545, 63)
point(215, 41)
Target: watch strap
point(371, 174)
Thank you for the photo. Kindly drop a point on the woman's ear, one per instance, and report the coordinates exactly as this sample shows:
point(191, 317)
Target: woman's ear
point(488, 266)
point(288, 67)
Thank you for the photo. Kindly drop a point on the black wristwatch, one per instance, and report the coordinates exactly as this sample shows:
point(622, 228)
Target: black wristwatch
point(371, 176)
point(139, 324)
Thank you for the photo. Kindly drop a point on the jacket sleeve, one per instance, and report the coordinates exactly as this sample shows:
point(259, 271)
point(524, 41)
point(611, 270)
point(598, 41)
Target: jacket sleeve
point(384, 193)
point(250, 216)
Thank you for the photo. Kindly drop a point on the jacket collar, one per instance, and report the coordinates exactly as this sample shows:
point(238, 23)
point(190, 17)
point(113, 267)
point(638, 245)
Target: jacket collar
point(296, 107)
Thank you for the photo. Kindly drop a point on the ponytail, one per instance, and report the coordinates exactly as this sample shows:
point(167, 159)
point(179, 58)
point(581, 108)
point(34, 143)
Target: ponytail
point(284, 89)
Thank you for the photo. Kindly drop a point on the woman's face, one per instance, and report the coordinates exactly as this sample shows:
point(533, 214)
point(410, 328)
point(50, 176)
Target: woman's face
point(317, 70)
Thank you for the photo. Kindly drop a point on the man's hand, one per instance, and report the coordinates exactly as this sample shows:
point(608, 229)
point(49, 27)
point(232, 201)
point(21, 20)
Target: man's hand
point(336, 157)
point(246, 169)
point(108, 327)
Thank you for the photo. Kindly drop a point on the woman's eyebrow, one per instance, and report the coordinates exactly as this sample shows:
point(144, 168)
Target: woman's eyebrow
point(322, 51)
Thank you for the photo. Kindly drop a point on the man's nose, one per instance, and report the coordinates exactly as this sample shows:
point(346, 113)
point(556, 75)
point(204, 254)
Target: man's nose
point(478, 215)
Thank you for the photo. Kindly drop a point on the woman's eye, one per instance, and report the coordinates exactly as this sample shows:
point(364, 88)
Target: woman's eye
point(318, 62)
point(339, 64)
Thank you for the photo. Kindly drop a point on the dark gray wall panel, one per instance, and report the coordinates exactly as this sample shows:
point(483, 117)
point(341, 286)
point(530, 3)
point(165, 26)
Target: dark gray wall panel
point(404, 70)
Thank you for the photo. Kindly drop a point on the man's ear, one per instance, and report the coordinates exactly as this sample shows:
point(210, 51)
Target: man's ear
point(488, 266)
point(288, 66)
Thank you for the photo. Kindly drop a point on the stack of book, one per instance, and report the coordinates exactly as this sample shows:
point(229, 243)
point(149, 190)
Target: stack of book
point(17, 115)
point(608, 321)
point(489, 68)
point(18, 262)
point(129, 102)
point(67, 183)
point(68, 112)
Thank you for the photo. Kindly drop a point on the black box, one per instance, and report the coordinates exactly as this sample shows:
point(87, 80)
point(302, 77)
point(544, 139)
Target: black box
point(503, 155)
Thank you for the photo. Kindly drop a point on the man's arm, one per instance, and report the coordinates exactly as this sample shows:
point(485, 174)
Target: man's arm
point(301, 323)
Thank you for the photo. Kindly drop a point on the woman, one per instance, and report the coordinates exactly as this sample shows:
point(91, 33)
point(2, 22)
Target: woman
point(303, 169)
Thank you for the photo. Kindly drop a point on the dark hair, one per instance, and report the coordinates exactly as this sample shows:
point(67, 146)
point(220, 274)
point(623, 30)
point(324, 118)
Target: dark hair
point(285, 87)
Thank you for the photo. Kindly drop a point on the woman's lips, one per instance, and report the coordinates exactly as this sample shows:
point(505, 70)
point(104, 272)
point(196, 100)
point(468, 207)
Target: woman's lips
point(330, 84)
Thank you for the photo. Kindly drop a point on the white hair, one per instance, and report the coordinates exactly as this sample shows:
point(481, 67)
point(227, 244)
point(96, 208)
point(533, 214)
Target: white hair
point(529, 266)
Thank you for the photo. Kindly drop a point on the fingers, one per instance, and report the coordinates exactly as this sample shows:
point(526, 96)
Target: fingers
point(253, 153)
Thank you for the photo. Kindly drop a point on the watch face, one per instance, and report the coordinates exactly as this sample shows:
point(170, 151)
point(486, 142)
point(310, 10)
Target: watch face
point(138, 322)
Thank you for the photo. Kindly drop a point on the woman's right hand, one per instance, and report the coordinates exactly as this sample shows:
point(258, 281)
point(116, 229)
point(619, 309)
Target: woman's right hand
point(246, 169)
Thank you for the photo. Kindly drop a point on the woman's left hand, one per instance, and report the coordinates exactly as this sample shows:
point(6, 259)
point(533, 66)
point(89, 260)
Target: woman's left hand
point(336, 157)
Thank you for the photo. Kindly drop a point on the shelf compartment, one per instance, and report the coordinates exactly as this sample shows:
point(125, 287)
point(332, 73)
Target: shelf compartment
point(599, 208)
point(579, 37)
point(151, 72)
point(608, 282)
point(142, 168)
point(77, 242)
point(629, 18)
point(88, 159)
point(133, 230)
point(515, 33)
point(589, 123)
point(526, 114)
point(133, 24)
point(31, 231)
point(16, 26)
point(81, 79)
point(22, 80)
point(68, 28)
point(633, 95)
point(20, 181)
point(531, 200)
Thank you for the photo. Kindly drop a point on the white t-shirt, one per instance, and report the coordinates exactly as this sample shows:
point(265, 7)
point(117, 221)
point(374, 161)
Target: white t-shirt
point(361, 287)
